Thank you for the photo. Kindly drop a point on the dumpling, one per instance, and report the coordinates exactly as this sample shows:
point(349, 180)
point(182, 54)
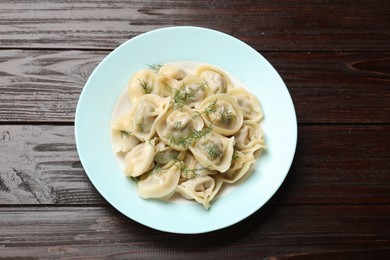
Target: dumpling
point(223, 112)
point(122, 134)
point(166, 85)
point(172, 72)
point(216, 79)
point(249, 137)
point(191, 168)
point(139, 160)
point(159, 183)
point(214, 151)
point(240, 166)
point(166, 156)
point(146, 112)
point(140, 84)
point(249, 103)
point(177, 126)
point(191, 92)
point(202, 189)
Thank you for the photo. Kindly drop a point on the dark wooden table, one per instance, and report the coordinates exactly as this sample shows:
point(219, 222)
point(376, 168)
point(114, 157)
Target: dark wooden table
point(334, 57)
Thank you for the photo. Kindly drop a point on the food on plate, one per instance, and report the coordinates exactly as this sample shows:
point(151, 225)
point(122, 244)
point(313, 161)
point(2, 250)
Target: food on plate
point(188, 132)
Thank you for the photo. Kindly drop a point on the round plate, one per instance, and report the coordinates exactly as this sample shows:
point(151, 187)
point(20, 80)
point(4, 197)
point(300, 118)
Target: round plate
point(109, 79)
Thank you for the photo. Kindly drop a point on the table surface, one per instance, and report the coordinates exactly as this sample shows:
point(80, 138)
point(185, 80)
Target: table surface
point(334, 57)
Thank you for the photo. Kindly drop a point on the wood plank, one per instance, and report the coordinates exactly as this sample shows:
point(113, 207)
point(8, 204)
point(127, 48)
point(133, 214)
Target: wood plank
point(44, 86)
point(347, 25)
point(40, 165)
point(272, 231)
point(333, 165)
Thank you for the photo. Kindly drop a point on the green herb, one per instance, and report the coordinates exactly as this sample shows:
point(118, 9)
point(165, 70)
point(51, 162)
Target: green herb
point(185, 142)
point(183, 95)
point(235, 155)
point(186, 171)
point(203, 85)
point(125, 133)
point(214, 151)
point(225, 115)
point(136, 179)
point(166, 157)
point(178, 124)
point(211, 108)
point(144, 86)
point(140, 127)
point(155, 67)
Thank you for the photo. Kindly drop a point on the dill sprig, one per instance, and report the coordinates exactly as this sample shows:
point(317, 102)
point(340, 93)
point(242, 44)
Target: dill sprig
point(186, 171)
point(225, 115)
point(183, 95)
point(211, 108)
point(235, 155)
point(155, 67)
point(164, 158)
point(214, 151)
point(147, 89)
point(178, 124)
point(125, 133)
point(185, 142)
point(140, 127)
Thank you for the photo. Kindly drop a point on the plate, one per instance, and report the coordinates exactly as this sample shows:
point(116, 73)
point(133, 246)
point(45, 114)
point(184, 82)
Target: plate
point(109, 79)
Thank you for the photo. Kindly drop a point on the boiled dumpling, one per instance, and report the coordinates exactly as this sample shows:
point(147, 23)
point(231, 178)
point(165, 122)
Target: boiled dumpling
point(172, 72)
point(216, 79)
point(240, 166)
point(177, 126)
point(249, 137)
point(223, 113)
point(249, 103)
point(191, 92)
point(214, 151)
point(146, 112)
point(159, 183)
point(166, 156)
point(139, 160)
point(122, 134)
point(202, 189)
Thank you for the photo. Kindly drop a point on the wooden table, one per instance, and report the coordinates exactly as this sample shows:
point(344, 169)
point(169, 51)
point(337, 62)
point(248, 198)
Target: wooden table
point(334, 57)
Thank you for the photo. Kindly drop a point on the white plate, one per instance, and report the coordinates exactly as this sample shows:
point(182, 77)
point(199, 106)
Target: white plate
point(107, 82)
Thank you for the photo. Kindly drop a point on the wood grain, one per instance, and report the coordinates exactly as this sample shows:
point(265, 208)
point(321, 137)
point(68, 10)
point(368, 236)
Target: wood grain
point(333, 165)
point(272, 231)
point(287, 25)
point(40, 165)
point(44, 85)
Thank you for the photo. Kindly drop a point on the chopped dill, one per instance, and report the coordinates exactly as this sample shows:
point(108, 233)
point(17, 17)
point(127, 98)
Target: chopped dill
point(235, 155)
point(157, 169)
point(214, 151)
point(140, 127)
point(186, 171)
point(211, 107)
point(203, 85)
point(185, 142)
point(155, 67)
point(183, 95)
point(125, 133)
point(135, 179)
point(164, 158)
point(178, 124)
point(225, 115)
point(144, 86)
